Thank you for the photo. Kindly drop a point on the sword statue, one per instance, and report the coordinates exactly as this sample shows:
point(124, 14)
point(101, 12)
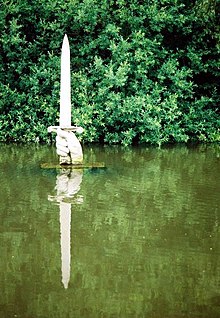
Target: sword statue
point(70, 151)
point(65, 102)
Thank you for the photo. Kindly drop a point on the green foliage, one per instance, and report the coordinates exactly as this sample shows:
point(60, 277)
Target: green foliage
point(141, 71)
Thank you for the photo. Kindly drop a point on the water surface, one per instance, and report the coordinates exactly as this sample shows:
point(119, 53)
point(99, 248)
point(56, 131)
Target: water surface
point(138, 239)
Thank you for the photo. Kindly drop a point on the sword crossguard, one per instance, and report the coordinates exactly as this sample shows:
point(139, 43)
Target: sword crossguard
point(76, 129)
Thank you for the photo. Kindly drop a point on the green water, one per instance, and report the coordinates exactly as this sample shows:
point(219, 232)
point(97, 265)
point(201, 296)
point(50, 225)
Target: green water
point(144, 237)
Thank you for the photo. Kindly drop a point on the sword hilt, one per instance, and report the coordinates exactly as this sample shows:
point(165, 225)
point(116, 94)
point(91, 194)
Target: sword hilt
point(65, 159)
point(77, 129)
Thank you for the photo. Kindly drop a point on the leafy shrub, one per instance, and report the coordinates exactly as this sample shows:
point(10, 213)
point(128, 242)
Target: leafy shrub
point(141, 71)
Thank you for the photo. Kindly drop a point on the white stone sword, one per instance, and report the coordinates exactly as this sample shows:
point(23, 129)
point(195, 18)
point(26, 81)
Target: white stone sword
point(65, 92)
point(65, 124)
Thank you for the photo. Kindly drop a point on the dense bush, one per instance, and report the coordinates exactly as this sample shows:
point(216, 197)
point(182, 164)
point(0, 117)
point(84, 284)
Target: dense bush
point(142, 71)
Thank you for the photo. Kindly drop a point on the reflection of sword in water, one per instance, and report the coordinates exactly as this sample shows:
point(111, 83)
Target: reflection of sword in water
point(65, 229)
point(67, 185)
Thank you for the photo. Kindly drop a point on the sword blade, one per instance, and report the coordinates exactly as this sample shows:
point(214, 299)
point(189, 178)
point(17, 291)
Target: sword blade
point(65, 86)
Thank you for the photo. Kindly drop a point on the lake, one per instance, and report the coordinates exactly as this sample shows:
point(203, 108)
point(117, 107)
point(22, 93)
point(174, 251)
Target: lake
point(140, 238)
